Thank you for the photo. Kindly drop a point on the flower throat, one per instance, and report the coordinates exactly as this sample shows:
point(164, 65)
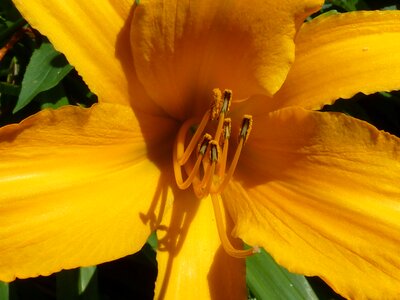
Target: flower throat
point(204, 158)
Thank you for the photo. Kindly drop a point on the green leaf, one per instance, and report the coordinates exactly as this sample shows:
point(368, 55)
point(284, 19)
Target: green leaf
point(67, 287)
point(53, 98)
point(9, 89)
point(348, 5)
point(77, 284)
point(267, 280)
point(45, 70)
point(14, 26)
point(87, 284)
point(4, 291)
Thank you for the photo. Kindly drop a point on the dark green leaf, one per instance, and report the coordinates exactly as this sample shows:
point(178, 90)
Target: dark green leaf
point(53, 98)
point(267, 280)
point(45, 70)
point(87, 284)
point(77, 284)
point(67, 285)
point(14, 26)
point(4, 292)
point(9, 89)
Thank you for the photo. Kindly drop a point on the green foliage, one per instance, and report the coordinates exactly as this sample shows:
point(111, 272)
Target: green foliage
point(4, 291)
point(267, 280)
point(77, 284)
point(47, 67)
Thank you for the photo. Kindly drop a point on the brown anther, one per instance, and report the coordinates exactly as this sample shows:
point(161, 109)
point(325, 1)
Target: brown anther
point(227, 99)
point(227, 128)
point(214, 151)
point(203, 145)
point(246, 127)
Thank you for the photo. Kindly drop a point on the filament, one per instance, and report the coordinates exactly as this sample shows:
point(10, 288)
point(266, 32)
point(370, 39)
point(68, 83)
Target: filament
point(183, 155)
point(226, 244)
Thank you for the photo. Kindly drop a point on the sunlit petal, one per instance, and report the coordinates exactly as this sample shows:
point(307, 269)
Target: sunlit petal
point(94, 36)
point(338, 56)
point(184, 49)
point(191, 260)
point(320, 192)
point(73, 185)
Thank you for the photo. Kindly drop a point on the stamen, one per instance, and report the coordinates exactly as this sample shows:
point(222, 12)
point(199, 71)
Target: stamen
point(206, 171)
point(183, 155)
point(191, 175)
point(227, 129)
point(207, 181)
point(226, 244)
point(243, 135)
point(224, 110)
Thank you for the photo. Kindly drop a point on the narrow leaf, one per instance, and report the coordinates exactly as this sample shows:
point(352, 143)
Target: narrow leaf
point(45, 70)
point(67, 287)
point(4, 291)
point(267, 280)
point(87, 284)
point(9, 89)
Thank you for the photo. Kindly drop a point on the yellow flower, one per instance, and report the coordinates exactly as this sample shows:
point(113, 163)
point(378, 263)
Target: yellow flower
point(319, 191)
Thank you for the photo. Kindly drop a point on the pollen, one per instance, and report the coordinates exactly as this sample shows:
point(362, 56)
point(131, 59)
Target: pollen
point(207, 169)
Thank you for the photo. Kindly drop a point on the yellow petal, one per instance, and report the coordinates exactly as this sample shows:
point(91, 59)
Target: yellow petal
point(191, 261)
point(73, 183)
point(94, 36)
point(338, 56)
point(184, 49)
point(320, 192)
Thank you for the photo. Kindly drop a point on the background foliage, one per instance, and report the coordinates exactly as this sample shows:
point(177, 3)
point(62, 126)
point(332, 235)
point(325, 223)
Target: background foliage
point(34, 76)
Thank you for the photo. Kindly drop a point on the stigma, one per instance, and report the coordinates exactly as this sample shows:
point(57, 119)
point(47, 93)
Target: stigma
point(200, 158)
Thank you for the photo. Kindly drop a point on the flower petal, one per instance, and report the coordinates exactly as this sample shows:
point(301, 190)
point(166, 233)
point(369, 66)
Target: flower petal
point(340, 55)
point(184, 49)
point(320, 192)
point(94, 36)
point(73, 183)
point(191, 261)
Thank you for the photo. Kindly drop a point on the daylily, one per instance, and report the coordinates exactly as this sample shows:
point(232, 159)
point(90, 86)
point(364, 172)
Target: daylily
point(319, 191)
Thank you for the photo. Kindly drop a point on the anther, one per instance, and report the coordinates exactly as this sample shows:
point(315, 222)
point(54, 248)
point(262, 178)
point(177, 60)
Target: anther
point(214, 152)
point(226, 104)
point(216, 104)
point(227, 128)
point(206, 182)
point(245, 129)
point(203, 145)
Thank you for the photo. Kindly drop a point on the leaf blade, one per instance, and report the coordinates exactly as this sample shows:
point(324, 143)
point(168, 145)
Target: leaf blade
point(45, 70)
point(267, 280)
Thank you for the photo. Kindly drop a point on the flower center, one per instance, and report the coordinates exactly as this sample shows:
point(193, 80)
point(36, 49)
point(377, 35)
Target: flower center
point(204, 158)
